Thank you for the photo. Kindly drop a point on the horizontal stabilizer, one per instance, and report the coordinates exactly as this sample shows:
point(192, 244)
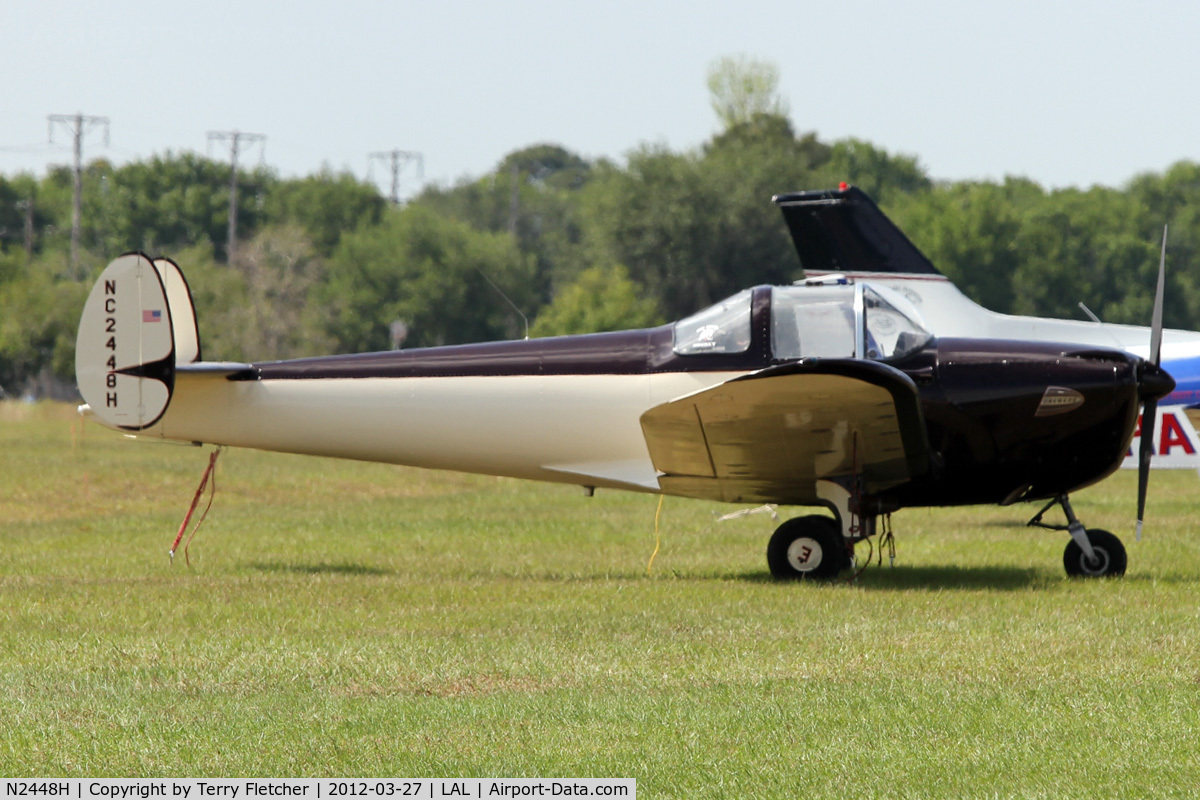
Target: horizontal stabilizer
point(844, 231)
point(234, 370)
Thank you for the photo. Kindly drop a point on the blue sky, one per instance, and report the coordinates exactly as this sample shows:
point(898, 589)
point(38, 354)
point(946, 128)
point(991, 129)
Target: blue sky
point(1067, 93)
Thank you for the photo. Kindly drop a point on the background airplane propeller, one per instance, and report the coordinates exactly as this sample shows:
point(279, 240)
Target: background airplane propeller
point(1150, 407)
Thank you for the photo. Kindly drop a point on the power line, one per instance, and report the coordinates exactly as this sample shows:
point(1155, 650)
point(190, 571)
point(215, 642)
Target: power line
point(398, 159)
point(79, 126)
point(33, 149)
point(235, 139)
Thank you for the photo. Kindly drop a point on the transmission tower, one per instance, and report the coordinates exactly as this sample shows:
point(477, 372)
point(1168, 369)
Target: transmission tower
point(234, 139)
point(79, 125)
point(398, 159)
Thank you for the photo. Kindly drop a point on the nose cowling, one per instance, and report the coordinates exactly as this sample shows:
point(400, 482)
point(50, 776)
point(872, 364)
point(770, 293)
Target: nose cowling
point(1153, 382)
point(1034, 418)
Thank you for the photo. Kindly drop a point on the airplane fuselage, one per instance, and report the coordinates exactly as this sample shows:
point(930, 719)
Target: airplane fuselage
point(567, 410)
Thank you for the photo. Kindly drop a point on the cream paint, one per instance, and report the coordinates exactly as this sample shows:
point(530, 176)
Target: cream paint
point(581, 429)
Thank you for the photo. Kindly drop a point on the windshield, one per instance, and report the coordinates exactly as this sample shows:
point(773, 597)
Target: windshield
point(894, 328)
point(720, 328)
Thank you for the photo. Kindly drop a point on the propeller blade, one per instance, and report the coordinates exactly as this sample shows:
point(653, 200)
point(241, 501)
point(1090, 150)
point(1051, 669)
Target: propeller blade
point(1156, 321)
point(1145, 451)
point(1150, 407)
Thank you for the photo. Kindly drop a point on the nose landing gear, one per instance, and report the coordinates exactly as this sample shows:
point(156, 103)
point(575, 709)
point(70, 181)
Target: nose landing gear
point(1090, 554)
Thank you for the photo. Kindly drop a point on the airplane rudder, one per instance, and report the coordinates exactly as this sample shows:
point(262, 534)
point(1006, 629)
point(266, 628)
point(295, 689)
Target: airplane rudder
point(184, 328)
point(125, 346)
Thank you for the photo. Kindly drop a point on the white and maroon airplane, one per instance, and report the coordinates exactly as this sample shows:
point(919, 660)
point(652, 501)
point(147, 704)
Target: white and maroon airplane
point(833, 394)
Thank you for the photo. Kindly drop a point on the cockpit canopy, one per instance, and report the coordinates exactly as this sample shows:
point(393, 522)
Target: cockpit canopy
point(720, 328)
point(827, 321)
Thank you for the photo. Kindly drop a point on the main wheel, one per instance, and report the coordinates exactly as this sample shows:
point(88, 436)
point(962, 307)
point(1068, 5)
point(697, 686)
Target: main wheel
point(1110, 557)
point(807, 548)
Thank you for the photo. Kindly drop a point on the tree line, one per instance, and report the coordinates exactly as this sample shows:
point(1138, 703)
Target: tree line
point(559, 243)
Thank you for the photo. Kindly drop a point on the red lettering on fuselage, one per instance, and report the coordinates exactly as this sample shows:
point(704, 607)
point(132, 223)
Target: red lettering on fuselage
point(1171, 435)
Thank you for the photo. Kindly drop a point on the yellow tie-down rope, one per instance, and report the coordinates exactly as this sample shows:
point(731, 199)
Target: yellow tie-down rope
point(657, 536)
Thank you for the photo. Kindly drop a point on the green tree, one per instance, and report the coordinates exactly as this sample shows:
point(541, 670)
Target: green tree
point(39, 314)
point(533, 194)
point(1173, 199)
point(600, 299)
point(325, 205)
point(18, 196)
point(695, 227)
point(969, 231)
point(274, 319)
point(431, 272)
point(12, 221)
point(170, 201)
point(741, 88)
point(1085, 246)
point(875, 171)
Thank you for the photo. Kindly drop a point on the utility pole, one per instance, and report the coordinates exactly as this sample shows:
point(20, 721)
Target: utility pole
point(26, 205)
point(235, 139)
point(79, 125)
point(398, 159)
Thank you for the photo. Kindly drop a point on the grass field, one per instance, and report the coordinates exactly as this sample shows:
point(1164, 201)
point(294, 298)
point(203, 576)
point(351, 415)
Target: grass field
point(351, 619)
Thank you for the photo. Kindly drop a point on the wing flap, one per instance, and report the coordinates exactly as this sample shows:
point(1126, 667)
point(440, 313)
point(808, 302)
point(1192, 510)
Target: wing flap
point(678, 445)
point(771, 435)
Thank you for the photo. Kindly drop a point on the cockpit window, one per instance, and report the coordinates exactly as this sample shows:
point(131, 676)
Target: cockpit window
point(720, 328)
point(892, 330)
point(812, 322)
point(822, 322)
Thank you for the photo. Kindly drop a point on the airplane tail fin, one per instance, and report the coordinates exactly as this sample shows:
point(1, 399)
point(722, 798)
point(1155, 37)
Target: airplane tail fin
point(139, 322)
point(844, 231)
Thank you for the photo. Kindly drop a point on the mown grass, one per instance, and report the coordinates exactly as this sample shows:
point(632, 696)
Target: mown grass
point(356, 619)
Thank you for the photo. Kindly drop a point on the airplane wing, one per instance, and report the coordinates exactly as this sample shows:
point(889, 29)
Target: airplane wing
point(770, 435)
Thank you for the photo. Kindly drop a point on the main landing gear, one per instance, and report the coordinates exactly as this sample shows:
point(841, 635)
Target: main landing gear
point(817, 547)
point(1090, 554)
point(811, 548)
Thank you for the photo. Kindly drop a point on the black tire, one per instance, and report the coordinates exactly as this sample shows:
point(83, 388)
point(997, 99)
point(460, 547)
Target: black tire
point(1109, 552)
point(807, 548)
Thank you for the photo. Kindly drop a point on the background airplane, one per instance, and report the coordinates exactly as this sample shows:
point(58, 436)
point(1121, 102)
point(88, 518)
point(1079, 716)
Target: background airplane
point(817, 395)
point(844, 232)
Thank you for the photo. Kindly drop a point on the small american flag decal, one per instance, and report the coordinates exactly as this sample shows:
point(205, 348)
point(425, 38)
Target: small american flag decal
point(154, 315)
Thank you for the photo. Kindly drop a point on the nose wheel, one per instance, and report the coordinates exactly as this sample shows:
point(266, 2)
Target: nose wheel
point(1090, 554)
point(1108, 556)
